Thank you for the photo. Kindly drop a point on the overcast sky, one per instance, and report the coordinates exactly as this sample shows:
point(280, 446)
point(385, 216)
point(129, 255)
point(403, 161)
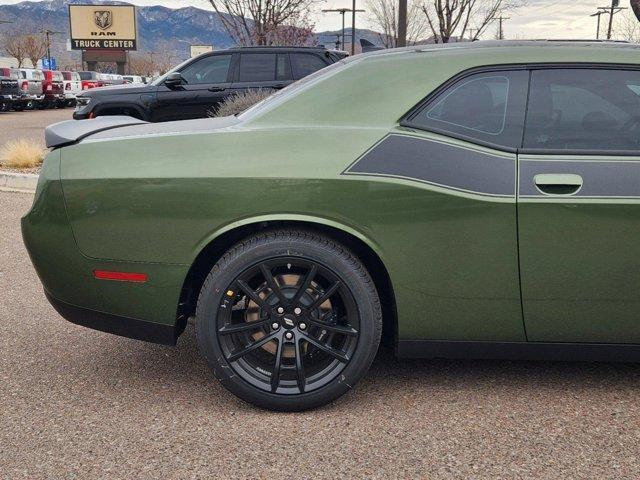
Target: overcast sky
point(539, 19)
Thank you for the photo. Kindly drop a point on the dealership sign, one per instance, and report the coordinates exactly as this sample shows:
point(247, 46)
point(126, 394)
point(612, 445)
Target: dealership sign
point(103, 27)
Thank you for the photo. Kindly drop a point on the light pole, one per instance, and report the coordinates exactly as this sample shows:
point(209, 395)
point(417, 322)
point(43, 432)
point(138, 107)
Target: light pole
point(597, 14)
point(353, 27)
point(48, 34)
point(342, 12)
point(402, 24)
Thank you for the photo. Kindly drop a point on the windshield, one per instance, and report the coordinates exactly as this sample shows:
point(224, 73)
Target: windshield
point(293, 89)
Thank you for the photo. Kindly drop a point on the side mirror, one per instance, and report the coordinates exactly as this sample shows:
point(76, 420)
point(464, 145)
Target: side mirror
point(174, 80)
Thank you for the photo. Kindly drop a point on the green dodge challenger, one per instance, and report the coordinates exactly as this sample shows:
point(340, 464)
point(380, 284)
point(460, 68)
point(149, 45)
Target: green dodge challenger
point(471, 200)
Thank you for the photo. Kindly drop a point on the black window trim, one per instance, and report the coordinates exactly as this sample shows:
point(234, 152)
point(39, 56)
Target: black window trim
point(407, 119)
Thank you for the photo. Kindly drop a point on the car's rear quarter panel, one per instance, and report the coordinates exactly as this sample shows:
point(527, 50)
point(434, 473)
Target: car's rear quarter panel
point(154, 202)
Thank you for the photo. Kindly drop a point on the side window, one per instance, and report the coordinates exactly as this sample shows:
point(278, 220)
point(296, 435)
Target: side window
point(583, 109)
point(304, 64)
point(257, 67)
point(485, 107)
point(211, 69)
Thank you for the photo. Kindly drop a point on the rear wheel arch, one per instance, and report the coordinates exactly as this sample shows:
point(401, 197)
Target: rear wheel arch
point(131, 110)
point(215, 248)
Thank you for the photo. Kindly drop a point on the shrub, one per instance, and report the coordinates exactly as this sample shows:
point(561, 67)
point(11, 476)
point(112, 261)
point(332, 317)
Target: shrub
point(239, 102)
point(22, 153)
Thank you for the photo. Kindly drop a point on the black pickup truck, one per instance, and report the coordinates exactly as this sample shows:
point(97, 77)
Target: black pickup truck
point(10, 94)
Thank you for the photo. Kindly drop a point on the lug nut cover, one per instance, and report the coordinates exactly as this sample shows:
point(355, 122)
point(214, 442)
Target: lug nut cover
point(275, 325)
point(303, 326)
point(288, 335)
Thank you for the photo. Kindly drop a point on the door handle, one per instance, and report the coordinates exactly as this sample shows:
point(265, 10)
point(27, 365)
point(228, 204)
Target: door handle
point(279, 86)
point(217, 89)
point(558, 183)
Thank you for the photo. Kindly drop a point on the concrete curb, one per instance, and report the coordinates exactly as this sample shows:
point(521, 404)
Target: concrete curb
point(18, 182)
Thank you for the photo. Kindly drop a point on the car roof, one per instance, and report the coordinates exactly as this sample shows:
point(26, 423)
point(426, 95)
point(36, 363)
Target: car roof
point(508, 45)
point(275, 48)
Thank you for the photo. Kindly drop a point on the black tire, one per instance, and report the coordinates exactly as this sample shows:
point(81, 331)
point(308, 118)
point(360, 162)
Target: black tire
point(330, 355)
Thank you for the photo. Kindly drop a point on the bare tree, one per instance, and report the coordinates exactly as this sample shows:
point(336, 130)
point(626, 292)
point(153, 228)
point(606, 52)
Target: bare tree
point(449, 18)
point(297, 31)
point(15, 47)
point(627, 27)
point(260, 22)
point(35, 47)
point(384, 15)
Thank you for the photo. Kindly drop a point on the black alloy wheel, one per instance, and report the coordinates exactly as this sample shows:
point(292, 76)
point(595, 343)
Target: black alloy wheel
point(285, 330)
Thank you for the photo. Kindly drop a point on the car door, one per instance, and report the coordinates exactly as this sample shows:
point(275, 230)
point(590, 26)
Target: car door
point(579, 206)
point(454, 156)
point(206, 84)
point(262, 70)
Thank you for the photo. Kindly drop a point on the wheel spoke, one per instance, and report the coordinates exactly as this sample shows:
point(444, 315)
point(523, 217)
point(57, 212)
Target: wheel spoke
point(326, 295)
point(275, 376)
point(301, 380)
point(327, 349)
point(251, 294)
point(271, 282)
point(241, 327)
point(305, 284)
point(243, 351)
point(343, 329)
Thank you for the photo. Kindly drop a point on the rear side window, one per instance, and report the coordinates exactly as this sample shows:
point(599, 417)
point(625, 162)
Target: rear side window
point(257, 67)
point(485, 107)
point(304, 64)
point(583, 109)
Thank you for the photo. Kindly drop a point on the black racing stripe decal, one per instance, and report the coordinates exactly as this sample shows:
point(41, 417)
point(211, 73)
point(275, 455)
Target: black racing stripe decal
point(439, 164)
point(608, 179)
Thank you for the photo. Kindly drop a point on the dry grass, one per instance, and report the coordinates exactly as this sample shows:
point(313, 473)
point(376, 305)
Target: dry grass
point(239, 102)
point(22, 153)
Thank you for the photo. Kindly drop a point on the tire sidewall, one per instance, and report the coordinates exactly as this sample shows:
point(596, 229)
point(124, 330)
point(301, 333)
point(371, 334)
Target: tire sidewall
point(257, 251)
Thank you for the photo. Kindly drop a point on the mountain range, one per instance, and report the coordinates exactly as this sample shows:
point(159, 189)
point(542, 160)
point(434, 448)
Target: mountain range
point(160, 29)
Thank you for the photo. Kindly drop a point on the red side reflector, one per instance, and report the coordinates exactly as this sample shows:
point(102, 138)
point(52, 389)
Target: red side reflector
point(120, 276)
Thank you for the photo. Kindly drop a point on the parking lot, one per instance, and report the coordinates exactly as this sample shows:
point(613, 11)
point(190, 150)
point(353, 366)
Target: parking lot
point(77, 403)
point(30, 124)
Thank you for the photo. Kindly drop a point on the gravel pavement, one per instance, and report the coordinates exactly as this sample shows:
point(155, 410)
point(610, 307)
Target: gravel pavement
point(75, 403)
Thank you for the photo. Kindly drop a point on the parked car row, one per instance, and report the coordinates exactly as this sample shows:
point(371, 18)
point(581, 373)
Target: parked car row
point(31, 88)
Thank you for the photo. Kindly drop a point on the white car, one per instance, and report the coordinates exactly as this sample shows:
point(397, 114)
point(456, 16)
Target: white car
point(72, 87)
point(133, 79)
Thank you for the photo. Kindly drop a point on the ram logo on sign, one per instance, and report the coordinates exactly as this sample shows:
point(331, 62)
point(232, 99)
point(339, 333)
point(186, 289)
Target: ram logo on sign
point(94, 27)
point(103, 18)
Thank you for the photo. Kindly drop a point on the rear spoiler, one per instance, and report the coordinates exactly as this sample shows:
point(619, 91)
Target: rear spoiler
point(72, 131)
